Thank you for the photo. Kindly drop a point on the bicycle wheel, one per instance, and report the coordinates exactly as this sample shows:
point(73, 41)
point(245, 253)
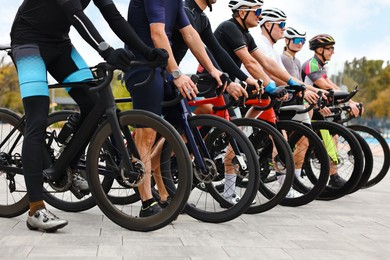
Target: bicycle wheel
point(380, 151)
point(14, 199)
point(309, 155)
point(345, 153)
point(207, 201)
point(100, 161)
point(269, 144)
point(62, 195)
point(368, 161)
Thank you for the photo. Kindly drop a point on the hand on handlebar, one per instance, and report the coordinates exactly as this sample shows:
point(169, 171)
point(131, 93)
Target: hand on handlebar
point(216, 74)
point(311, 96)
point(236, 90)
point(119, 58)
point(186, 86)
point(325, 111)
point(253, 82)
point(278, 92)
point(159, 55)
point(355, 108)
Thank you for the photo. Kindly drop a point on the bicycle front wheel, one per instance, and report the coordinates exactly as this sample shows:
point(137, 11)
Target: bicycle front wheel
point(103, 159)
point(229, 150)
point(310, 156)
point(345, 154)
point(380, 152)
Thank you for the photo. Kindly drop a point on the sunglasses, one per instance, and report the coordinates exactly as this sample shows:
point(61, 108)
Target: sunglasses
point(299, 40)
point(257, 11)
point(330, 48)
point(281, 24)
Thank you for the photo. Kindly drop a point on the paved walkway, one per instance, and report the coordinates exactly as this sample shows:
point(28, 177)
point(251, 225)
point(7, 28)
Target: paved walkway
point(353, 227)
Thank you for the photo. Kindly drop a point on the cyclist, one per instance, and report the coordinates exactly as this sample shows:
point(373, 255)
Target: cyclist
point(314, 72)
point(40, 44)
point(295, 38)
point(235, 38)
point(154, 21)
point(199, 20)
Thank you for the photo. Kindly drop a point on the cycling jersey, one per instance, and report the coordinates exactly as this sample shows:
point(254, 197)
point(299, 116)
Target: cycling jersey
point(232, 37)
point(141, 14)
point(312, 70)
point(291, 64)
point(46, 22)
point(201, 24)
point(267, 48)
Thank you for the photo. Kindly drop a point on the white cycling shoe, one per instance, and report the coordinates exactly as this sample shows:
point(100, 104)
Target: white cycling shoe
point(44, 220)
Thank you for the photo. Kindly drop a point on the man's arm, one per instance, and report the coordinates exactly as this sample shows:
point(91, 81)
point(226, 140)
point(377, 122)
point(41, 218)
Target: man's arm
point(194, 42)
point(252, 66)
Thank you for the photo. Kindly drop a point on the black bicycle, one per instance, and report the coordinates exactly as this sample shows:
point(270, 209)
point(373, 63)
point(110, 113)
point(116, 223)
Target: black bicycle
point(111, 156)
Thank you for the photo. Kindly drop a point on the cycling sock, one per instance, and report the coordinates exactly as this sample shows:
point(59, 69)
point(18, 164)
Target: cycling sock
point(230, 185)
point(147, 203)
point(298, 173)
point(35, 206)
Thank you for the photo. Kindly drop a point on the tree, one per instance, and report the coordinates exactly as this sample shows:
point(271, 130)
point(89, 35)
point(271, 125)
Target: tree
point(373, 79)
point(9, 88)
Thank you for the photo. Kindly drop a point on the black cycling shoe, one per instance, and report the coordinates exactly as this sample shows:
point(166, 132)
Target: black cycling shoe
point(335, 181)
point(166, 203)
point(153, 209)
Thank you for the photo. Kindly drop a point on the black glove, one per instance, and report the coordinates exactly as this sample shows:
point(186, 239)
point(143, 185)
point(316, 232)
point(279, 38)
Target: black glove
point(119, 58)
point(278, 92)
point(159, 55)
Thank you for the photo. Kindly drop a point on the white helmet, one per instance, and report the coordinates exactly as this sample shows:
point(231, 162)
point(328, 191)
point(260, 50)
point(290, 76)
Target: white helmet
point(294, 32)
point(272, 15)
point(234, 5)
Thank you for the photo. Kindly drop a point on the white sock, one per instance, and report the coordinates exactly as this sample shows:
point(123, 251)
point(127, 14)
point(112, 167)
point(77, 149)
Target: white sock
point(298, 173)
point(230, 185)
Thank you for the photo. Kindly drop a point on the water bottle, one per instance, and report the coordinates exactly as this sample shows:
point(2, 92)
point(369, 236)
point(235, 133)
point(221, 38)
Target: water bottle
point(69, 128)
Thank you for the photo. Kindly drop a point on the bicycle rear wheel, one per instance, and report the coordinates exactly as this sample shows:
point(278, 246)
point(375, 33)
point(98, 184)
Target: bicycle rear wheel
point(344, 152)
point(104, 160)
point(269, 144)
point(13, 198)
point(380, 151)
point(310, 154)
point(206, 201)
point(368, 161)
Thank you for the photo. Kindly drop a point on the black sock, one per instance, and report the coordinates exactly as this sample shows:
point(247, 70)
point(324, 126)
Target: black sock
point(147, 203)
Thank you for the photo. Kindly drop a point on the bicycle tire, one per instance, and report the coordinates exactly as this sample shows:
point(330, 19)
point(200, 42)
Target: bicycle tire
point(308, 187)
point(368, 162)
point(208, 204)
point(270, 192)
point(126, 216)
point(349, 158)
point(380, 150)
point(14, 200)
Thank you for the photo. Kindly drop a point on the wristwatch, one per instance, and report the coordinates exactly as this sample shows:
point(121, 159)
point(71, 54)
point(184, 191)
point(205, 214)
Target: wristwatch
point(103, 46)
point(176, 73)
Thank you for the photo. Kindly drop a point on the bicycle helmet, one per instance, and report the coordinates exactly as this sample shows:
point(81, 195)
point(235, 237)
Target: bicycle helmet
point(272, 15)
point(321, 40)
point(294, 32)
point(234, 5)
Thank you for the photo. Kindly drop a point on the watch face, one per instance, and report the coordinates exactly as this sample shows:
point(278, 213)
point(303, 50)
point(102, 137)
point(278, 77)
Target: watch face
point(176, 73)
point(103, 46)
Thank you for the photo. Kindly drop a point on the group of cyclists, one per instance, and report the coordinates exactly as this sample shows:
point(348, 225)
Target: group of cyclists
point(155, 30)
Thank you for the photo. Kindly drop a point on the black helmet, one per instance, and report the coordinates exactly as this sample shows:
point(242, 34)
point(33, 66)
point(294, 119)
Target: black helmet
point(321, 40)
